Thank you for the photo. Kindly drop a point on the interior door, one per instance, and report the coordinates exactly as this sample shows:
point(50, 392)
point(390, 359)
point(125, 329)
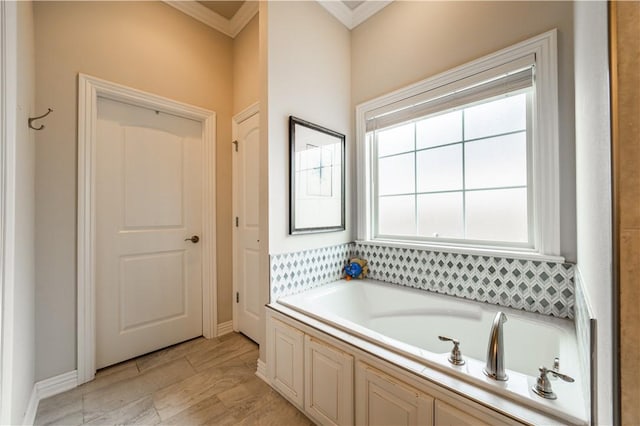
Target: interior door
point(148, 207)
point(246, 236)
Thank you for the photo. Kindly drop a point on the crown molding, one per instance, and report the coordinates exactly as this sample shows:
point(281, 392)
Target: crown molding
point(230, 27)
point(202, 14)
point(242, 17)
point(366, 10)
point(352, 18)
point(339, 10)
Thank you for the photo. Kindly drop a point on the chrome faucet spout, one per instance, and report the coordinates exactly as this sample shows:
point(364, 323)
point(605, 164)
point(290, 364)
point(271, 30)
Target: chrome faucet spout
point(494, 367)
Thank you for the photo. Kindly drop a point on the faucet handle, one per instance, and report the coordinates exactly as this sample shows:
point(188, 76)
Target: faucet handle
point(564, 377)
point(543, 384)
point(449, 339)
point(455, 357)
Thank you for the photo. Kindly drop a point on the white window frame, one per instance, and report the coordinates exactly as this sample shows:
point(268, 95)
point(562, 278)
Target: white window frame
point(544, 149)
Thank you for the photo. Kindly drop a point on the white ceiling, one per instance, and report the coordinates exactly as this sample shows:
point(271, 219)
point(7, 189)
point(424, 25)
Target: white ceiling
point(230, 17)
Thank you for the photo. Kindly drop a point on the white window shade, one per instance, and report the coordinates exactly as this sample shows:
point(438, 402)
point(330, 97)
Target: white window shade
point(506, 78)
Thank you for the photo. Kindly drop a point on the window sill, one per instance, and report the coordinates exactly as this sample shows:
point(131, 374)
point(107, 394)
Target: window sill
point(469, 250)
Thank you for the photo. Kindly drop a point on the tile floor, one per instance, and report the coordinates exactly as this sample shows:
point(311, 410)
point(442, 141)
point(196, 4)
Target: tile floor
point(199, 382)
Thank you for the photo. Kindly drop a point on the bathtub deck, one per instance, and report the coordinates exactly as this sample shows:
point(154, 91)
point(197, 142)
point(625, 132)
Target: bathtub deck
point(401, 325)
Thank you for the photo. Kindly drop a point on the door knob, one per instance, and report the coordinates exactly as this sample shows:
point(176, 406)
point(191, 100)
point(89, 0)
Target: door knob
point(193, 239)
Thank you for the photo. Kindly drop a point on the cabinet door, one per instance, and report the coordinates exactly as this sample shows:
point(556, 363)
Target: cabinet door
point(447, 415)
point(285, 361)
point(328, 383)
point(383, 400)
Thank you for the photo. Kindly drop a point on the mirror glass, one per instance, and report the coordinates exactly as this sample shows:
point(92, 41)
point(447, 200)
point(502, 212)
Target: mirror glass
point(316, 178)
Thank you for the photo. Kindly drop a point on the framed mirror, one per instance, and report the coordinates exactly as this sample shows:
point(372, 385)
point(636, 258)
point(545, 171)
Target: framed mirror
point(316, 177)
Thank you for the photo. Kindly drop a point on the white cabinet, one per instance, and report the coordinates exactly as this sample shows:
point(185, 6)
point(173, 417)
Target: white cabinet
point(286, 363)
point(384, 400)
point(335, 383)
point(328, 383)
point(464, 415)
point(447, 415)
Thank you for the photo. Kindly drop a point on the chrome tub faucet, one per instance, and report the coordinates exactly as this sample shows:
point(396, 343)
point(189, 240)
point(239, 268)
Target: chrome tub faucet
point(494, 367)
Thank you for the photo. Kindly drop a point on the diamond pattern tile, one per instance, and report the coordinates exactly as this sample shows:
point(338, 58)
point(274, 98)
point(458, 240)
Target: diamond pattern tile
point(534, 286)
point(543, 287)
point(295, 272)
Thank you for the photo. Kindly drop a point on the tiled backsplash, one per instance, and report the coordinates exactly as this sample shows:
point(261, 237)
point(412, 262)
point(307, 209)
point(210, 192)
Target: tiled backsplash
point(534, 286)
point(299, 271)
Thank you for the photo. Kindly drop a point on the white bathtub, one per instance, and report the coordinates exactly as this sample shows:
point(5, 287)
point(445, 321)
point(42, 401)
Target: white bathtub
point(409, 321)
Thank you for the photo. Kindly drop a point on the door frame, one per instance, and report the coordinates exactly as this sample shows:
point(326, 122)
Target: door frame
point(89, 90)
point(8, 131)
point(235, 122)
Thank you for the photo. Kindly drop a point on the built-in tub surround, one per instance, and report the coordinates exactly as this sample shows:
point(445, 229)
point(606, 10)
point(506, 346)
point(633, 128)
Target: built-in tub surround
point(408, 322)
point(523, 287)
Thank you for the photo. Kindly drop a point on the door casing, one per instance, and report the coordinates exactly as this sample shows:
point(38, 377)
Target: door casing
point(89, 90)
point(8, 129)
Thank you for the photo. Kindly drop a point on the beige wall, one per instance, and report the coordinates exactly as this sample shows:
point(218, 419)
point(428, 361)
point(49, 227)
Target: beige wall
point(410, 41)
point(245, 67)
point(146, 45)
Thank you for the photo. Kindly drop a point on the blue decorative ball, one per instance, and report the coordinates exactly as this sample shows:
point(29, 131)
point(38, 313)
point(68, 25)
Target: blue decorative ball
point(353, 270)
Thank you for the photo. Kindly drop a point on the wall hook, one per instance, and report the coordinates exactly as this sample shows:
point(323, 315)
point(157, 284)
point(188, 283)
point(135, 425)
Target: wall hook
point(31, 120)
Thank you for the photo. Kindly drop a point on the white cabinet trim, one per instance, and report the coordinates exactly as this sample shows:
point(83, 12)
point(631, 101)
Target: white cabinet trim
point(412, 398)
point(344, 382)
point(294, 388)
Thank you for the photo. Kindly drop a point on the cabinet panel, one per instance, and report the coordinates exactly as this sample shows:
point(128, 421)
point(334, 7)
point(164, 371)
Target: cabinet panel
point(286, 361)
point(447, 415)
point(383, 400)
point(318, 378)
point(328, 383)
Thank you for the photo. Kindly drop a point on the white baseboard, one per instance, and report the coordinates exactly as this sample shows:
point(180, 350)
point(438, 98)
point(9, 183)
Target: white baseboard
point(57, 384)
point(46, 388)
point(262, 371)
point(225, 328)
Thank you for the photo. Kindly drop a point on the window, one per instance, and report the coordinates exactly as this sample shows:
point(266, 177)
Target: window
point(466, 159)
point(457, 174)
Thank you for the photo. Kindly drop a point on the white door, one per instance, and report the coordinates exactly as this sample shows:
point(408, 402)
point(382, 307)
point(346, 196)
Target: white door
point(148, 202)
point(246, 237)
